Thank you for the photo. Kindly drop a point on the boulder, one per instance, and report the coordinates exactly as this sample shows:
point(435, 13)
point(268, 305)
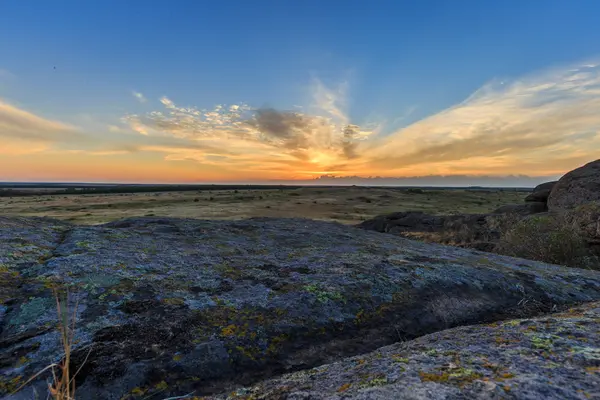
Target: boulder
point(541, 192)
point(577, 187)
point(405, 221)
point(417, 221)
point(528, 208)
point(464, 230)
point(587, 219)
point(553, 357)
point(166, 306)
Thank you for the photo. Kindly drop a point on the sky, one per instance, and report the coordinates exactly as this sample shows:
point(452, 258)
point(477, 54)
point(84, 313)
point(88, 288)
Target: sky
point(283, 91)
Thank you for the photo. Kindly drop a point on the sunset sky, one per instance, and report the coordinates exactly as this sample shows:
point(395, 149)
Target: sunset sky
point(260, 91)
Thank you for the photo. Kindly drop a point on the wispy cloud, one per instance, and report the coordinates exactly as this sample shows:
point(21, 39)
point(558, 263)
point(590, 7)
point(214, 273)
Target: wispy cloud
point(140, 97)
point(331, 100)
point(255, 138)
point(502, 127)
point(541, 125)
point(24, 132)
point(117, 129)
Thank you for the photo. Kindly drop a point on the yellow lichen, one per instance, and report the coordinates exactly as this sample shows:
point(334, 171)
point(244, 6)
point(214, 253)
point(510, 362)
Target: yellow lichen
point(23, 360)
point(137, 391)
point(459, 376)
point(399, 358)
point(344, 387)
point(10, 385)
point(174, 301)
point(229, 330)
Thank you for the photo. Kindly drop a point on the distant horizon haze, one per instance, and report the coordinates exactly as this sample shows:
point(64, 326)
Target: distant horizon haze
point(521, 181)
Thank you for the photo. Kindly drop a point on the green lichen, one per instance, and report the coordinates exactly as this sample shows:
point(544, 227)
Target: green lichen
point(323, 294)
point(589, 353)
point(92, 283)
point(116, 236)
point(6, 272)
point(540, 342)
point(162, 385)
point(10, 385)
point(399, 359)
point(459, 376)
point(86, 245)
point(32, 311)
point(174, 301)
point(373, 382)
point(431, 352)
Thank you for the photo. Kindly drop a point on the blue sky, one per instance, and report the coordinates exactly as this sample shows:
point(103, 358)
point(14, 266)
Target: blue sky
point(391, 63)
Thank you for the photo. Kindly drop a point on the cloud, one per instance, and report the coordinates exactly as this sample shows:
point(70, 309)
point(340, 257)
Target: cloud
point(277, 138)
point(16, 123)
point(140, 97)
point(534, 119)
point(117, 129)
point(437, 180)
point(501, 128)
point(23, 132)
point(541, 125)
point(18, 147)
point(331, 101)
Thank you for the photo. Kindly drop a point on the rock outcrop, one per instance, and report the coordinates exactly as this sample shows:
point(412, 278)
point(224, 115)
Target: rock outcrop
point(541, 192)
point(536, 202)
point(554, 357)
point(167, 307)
point(578, 187)
point(418, 221)
point(574, 198)
point(527, 208)
point(463, 230)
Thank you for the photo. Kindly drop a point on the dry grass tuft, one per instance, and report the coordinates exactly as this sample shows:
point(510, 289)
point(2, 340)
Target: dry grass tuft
point(62, 385)
point(553, 238)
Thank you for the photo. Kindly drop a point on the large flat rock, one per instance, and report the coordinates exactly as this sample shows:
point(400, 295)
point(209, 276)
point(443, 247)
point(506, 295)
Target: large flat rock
point(554, 357)
point(171, 306)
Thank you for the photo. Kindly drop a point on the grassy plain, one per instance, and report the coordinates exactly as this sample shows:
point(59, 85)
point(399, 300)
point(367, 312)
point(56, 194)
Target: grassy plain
point(348, 205)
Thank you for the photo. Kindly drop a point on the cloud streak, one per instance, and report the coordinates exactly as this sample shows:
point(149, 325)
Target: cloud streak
point(540, 125)
point(534, 119)
point(551, 115)
point(139, 97)
point(22, 132)
point(291, 140)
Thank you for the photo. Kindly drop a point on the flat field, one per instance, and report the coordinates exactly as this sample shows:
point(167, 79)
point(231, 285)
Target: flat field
point(348, 205)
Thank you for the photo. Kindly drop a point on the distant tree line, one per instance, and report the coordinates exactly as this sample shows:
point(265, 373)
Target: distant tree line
point(31, 191)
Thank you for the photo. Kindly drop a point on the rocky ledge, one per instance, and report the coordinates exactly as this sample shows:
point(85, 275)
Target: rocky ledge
point(167, 307)
point(553, 357)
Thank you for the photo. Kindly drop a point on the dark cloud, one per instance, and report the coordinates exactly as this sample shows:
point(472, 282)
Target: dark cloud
point(349, 141)
point(296, 134)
